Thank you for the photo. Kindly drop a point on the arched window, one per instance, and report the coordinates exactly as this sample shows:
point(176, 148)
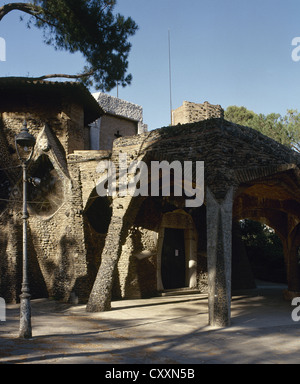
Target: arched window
point(99, 214)
point(45, 189)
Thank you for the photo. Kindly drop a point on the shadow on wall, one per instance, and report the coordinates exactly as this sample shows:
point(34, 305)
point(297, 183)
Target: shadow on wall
point(11, 262)
point(63, 274)
point(9, 259)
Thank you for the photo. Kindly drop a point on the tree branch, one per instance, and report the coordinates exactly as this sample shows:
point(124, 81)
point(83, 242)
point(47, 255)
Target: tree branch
point(31, 9)
point(59, 75)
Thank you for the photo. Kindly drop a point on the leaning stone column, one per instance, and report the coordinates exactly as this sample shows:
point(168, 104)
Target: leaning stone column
point(100, 297)
point(219, 251)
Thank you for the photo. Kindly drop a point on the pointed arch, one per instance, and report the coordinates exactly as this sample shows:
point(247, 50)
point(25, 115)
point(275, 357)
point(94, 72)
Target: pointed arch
point(46, 191)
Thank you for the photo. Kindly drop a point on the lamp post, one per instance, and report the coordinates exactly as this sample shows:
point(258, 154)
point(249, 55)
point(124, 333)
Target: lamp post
point(25, 143)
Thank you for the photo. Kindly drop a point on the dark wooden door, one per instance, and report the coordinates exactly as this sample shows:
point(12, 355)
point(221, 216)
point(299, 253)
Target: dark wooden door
point(173, 259)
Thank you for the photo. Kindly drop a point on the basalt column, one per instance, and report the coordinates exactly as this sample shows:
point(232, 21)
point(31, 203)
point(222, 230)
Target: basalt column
point(219, 251)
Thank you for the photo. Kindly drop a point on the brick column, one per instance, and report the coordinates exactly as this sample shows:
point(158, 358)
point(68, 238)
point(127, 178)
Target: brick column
point(219, 251)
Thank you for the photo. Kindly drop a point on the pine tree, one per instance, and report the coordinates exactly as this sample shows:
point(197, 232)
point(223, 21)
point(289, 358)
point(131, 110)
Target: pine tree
point(285, 130)
point(86, 26)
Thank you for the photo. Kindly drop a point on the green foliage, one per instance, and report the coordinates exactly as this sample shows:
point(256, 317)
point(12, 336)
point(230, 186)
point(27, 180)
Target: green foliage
point(240, 115)
point(89, 27)
point(285, 130)
point(265, 251)
point(261, 236)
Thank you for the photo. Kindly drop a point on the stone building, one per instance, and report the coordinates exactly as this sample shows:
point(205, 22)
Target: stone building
point(94, 248)
point(58, 115)
point(121, 118)
point(247, 175)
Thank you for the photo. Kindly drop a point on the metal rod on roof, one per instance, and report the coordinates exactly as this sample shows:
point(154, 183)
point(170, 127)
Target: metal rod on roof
point(170, 77)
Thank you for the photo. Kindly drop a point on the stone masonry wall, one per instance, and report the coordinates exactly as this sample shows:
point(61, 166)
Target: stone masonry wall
point(136, 271)
point(67, 125)
point(56, 241)
point(191, 112)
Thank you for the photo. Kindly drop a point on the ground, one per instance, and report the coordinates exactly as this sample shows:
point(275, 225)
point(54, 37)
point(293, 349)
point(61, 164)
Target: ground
point(164, 330)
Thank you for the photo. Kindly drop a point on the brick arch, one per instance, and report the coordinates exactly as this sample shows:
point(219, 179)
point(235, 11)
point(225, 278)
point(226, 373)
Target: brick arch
point(268, 217)
point(274, 200)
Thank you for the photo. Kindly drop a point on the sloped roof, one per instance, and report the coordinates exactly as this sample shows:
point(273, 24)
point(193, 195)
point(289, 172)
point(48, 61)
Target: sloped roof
point(233, 154)
point(16, 89)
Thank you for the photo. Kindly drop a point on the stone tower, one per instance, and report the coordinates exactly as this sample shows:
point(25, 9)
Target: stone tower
point(191, 112)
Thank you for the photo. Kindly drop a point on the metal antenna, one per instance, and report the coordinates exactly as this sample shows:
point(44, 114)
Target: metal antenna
point(170, 77)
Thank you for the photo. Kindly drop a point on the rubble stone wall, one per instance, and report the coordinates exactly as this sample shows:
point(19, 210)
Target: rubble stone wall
point(192, 112)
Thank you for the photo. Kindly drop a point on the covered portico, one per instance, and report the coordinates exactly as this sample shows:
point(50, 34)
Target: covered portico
point(247, 175)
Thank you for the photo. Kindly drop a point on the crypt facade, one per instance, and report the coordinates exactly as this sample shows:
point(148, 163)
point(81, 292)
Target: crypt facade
point(92, 249)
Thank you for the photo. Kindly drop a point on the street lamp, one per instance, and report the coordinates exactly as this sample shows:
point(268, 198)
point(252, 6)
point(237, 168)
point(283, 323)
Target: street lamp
point(25, 143)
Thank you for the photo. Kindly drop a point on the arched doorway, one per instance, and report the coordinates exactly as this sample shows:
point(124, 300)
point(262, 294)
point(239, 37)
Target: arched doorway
point(96, 219)
point(177, 251)
point(265, 252)
point(272, 201)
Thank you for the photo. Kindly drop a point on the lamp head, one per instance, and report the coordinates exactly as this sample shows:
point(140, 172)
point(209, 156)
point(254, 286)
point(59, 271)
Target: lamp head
point(24, 138)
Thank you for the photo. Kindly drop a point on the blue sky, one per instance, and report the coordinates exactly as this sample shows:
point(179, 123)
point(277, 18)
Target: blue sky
point(228, 52)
